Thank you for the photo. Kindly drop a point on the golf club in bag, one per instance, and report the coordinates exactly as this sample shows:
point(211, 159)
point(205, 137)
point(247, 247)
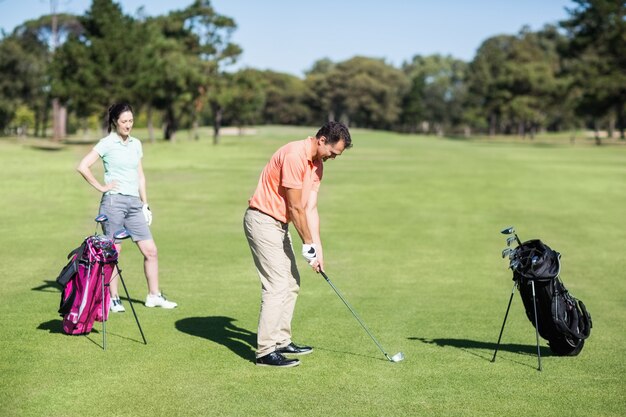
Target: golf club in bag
point(556, 315)
point(84, 296)
point(395, 358)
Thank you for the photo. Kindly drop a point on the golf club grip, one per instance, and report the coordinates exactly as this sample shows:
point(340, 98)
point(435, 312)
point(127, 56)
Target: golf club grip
point(356, 316)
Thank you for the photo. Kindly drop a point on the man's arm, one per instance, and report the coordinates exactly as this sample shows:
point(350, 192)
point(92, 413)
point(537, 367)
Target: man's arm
point(297, 214)
point(313, 220)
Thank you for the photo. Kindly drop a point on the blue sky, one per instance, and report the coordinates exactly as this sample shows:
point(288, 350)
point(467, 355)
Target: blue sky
point(289, 36)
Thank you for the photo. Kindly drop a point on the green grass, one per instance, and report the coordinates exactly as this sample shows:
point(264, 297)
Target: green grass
point(411, 232)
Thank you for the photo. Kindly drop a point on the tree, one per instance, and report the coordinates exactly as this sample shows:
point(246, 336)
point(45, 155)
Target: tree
point(437, 92)
point(369, 91)
point(210, 35)
point(23, 119)
point(166, 73)
point(24, 68)
point(318, 95)
point(533, 68)
point(285, 97)
point(94, 68)
point(413, 109)
point(15, 78)
point(244, 99)
point(597, 57)
point(361, 91)
point(40, 37)
point(513, 82)
point(486, 77)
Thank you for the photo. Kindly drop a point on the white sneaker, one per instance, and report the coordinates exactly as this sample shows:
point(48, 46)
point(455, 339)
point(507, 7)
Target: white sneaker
point(159, 301)
point(115, 306)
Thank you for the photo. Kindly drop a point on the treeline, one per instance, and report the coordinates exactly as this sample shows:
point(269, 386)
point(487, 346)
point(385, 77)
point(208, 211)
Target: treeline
point(64, 71)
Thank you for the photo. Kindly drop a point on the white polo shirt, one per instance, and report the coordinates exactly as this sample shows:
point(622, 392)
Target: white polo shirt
point(121, 162)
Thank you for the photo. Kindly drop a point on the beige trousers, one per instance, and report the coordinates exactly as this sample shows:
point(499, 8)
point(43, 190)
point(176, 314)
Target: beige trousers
point(270, 244)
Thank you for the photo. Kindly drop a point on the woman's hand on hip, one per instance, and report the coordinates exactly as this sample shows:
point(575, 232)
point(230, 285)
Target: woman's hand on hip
point(112, 186)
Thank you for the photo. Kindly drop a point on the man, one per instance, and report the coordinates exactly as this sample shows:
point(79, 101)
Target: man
point(287, 192)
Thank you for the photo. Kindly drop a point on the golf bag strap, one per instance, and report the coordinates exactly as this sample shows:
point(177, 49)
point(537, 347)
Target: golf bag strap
point(79, 250)
point(71, 268)
point(586, 320)
point(558, 261)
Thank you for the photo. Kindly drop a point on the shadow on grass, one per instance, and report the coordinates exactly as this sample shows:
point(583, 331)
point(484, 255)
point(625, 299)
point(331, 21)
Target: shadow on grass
point(474, 347)
point(221, 330)
point(52, 326)
point(135, 301)
point(56, 327)
point(468, 345)
point(48, 286)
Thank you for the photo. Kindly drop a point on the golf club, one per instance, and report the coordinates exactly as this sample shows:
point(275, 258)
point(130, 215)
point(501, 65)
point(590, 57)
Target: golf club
point(99, 220)
point(122, 234)
point(511, 230)
point(506, 251)
point(510, 240)
point(515, 263)
point(395, 358)
point(508, 230)
point(533, 262)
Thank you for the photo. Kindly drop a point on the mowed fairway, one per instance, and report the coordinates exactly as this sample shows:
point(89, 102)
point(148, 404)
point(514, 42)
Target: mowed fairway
point(411, 237)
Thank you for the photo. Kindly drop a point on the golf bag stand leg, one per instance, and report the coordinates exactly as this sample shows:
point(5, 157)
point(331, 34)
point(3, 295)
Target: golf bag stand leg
point(504, 322)
point(104, 322)
point(119, 273)
point(536, 325)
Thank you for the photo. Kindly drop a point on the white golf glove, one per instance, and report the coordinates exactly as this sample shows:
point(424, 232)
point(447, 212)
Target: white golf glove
point(309, 252)
point(147, 214)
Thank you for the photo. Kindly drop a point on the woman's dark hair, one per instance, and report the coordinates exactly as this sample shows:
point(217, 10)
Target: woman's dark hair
point(334, 132)
point(115, 111)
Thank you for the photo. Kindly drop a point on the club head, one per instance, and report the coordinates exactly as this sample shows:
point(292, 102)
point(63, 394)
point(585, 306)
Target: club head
point(506, 251)
point(510, 240)
point(397, 357)
point(121, 234)
point(514, 264)
point(509, 230)
point(101, 218)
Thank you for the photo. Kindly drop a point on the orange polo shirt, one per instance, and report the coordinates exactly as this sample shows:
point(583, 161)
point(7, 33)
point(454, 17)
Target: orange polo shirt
point(289, 167)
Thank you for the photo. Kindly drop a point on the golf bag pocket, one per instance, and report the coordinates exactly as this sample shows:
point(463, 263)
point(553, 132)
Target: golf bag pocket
point(67, 273)
point(71, 268)
point(569, 314)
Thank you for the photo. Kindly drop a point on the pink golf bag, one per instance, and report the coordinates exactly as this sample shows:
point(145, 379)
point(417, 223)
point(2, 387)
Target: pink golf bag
point(85, 280)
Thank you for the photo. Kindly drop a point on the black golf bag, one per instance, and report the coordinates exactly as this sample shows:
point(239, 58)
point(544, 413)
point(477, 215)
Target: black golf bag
point(561, 319)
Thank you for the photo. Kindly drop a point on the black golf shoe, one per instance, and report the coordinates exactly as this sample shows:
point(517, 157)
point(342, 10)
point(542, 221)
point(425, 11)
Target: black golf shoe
point(293, 349)
point(276, 359)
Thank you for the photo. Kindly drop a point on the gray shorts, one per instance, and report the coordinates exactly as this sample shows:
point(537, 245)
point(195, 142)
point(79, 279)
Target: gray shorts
point(124, 212)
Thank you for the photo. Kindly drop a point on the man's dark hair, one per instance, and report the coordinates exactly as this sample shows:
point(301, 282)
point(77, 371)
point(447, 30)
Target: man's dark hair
point(114, 113)
point(334, 132)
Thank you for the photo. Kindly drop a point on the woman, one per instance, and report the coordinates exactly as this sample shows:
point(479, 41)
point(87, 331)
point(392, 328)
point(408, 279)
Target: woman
point(124, 199)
